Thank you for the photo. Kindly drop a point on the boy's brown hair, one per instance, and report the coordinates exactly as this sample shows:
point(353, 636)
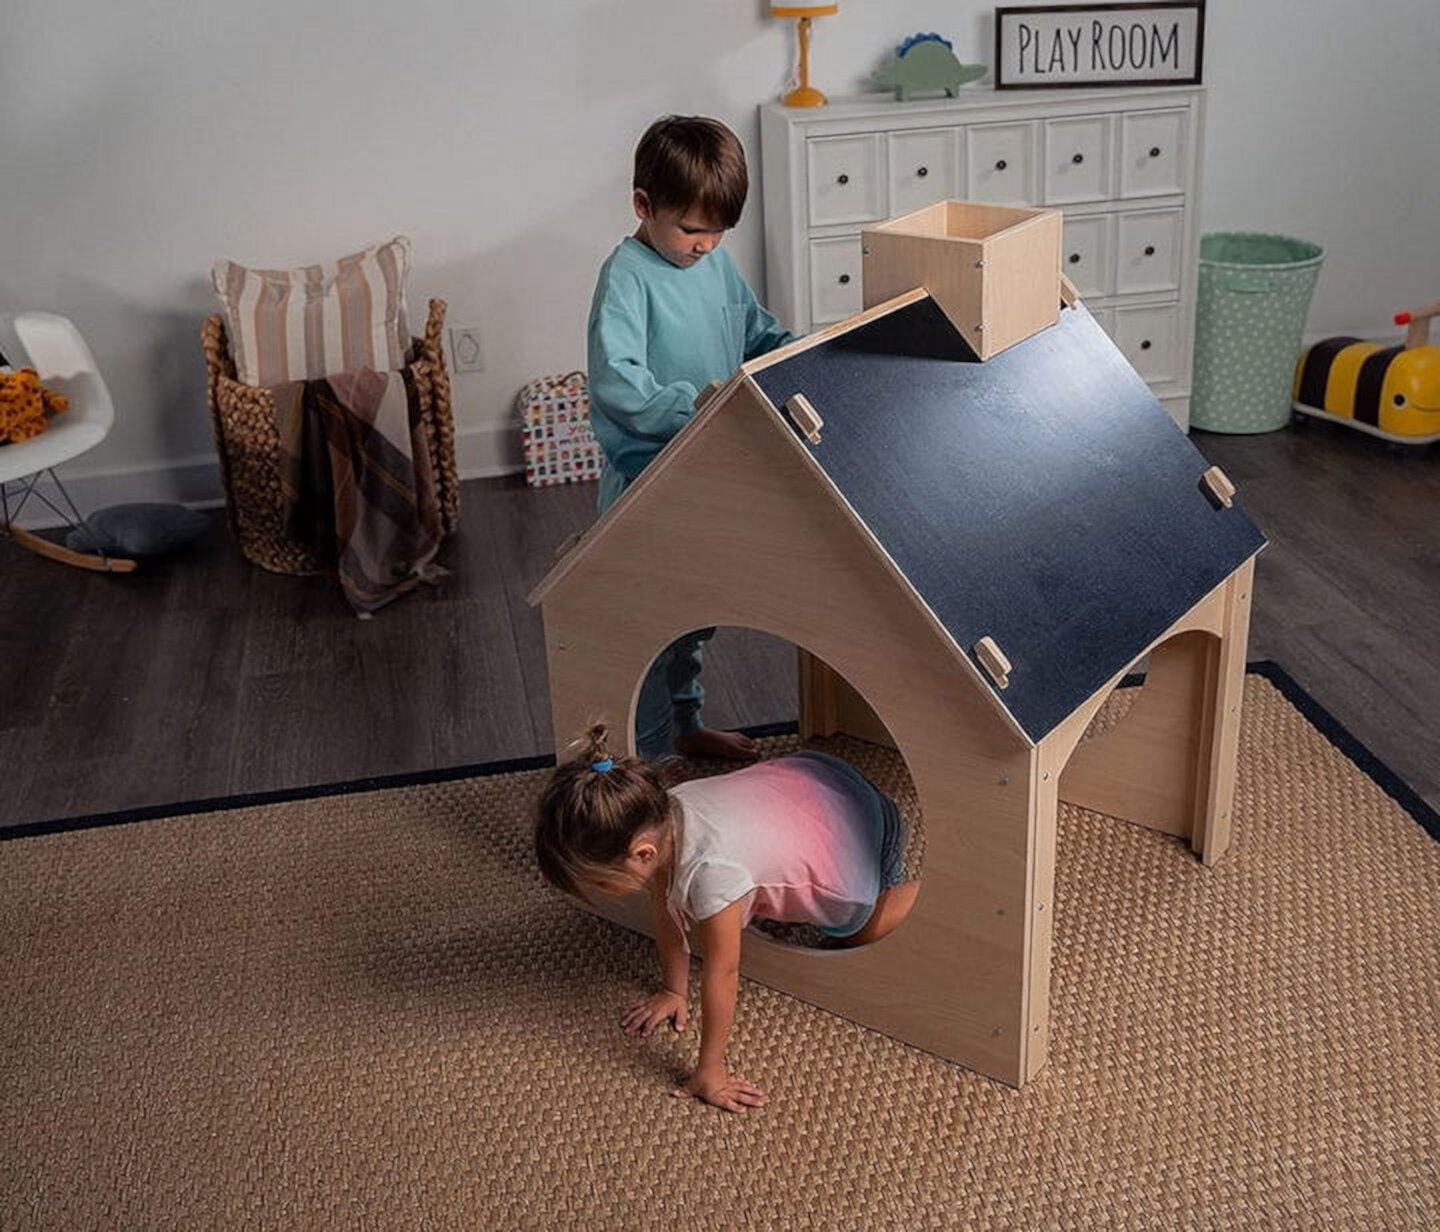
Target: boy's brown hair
point(685, 162)
point(592, 809)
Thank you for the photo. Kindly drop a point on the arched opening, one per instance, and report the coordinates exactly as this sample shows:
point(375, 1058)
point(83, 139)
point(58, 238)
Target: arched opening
point(1117, 703)
point(789, 701)
point(1142, 753)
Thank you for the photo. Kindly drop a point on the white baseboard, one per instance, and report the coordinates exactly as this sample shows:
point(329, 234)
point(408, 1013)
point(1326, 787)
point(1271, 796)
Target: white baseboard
point(480, 453)
point(489, 451)
point(189, 481)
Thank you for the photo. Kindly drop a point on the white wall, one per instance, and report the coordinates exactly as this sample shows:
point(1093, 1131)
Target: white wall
point(140, 141)
point(1323, 121)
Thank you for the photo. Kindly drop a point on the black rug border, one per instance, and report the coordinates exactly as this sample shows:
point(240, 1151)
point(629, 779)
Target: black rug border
point(1315, 714)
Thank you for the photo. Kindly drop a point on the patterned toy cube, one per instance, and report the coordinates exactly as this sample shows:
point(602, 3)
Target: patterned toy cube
point(555, 428)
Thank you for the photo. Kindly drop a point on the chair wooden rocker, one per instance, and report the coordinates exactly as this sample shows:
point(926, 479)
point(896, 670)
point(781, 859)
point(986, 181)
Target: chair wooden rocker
point(53, 347)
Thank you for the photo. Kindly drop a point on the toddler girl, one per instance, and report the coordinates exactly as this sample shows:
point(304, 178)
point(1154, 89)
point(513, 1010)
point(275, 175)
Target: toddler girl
point(799, 839)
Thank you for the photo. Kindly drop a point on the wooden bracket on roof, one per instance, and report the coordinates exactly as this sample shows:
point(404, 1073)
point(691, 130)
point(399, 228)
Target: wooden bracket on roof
point(993, 660)
point(805, 417)
point(1218, 488)
point(707, 393)
point(1068, 293)
point(568, 542)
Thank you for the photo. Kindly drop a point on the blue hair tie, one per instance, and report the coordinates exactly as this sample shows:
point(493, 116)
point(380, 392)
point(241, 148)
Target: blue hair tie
point(603, 766)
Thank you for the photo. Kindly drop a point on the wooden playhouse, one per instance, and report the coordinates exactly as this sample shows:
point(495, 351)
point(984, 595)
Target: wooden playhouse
point(970, 556)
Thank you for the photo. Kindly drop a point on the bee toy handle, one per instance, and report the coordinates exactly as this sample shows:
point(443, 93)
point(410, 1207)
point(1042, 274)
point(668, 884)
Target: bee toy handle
point(1418, 319)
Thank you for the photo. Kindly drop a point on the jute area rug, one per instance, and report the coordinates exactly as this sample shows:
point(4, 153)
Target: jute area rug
point(364, 1010)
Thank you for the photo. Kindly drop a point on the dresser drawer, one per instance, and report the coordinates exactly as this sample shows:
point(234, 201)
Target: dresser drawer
point(1154, 153)
point(835, 290)
point(1147, 250)
point(1077, 159)
point(922, 168)
point(1085, 254)
point(1149, 337)
point(846, 181)
point(1000, 163)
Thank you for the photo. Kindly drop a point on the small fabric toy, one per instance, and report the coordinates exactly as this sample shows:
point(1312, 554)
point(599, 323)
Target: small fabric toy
point(25, 405)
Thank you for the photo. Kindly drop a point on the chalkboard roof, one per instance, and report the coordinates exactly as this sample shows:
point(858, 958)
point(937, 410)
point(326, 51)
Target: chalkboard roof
point(1042, 498)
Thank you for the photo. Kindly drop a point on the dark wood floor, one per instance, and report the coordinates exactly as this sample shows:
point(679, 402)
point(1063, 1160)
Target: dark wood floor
point(206, 677)
point(1347, 595)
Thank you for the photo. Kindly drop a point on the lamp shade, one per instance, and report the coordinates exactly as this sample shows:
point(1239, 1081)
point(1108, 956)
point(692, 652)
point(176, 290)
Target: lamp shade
point(824, 8)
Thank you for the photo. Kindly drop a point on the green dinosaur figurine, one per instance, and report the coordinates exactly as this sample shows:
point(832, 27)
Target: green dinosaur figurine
point(924, 63)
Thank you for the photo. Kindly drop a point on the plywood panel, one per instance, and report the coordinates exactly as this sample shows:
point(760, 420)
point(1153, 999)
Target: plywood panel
point(1144, 770)
point(955, 979)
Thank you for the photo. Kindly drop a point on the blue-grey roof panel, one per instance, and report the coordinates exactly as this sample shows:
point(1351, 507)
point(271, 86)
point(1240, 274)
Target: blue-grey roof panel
point(1043, 498)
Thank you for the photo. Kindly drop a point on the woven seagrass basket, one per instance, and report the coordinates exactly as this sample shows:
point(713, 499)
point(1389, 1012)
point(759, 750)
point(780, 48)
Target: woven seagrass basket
point(248, 440)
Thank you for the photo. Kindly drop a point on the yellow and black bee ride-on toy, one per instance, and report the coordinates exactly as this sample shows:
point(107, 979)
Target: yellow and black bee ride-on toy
point(1390, 392)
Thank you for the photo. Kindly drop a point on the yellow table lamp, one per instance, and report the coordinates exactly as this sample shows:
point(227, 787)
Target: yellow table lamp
point(804, 95)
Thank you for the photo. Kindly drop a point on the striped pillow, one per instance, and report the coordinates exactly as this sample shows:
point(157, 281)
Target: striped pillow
point(302, 324)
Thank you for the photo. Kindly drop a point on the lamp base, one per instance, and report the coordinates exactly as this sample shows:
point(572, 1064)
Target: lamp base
point(805, 96)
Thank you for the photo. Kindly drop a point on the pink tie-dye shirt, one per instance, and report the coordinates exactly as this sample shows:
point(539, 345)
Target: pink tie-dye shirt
point(794, 839)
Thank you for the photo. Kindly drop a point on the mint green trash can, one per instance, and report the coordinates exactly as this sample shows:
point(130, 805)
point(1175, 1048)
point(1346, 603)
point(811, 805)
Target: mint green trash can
point(1249, 317)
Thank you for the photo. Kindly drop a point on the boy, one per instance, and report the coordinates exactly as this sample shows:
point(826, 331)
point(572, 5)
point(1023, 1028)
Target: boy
point(672, 313)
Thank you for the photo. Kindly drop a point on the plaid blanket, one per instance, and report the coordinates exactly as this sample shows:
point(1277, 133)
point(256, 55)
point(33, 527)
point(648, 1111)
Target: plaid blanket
point(358, 483)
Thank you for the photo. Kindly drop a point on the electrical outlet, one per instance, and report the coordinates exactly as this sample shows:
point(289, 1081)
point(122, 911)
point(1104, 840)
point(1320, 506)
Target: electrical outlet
point(465, 353)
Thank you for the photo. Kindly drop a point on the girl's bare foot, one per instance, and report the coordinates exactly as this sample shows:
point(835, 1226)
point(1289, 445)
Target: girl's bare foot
point(727, 746)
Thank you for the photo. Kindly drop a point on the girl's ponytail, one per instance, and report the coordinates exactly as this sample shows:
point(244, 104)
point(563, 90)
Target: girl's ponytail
point(595, 749)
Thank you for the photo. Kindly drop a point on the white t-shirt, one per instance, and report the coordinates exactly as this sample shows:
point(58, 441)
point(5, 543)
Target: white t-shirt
point(797, 838)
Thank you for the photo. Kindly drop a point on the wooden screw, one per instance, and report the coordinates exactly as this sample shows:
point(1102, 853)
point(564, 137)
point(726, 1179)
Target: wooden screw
point(993, 660)
point(707, 393)
point(805, 417)
point(1218, 488)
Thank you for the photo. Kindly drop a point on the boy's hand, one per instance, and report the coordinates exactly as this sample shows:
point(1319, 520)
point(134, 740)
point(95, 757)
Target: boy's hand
point(650, 1012)
point(723, 1090)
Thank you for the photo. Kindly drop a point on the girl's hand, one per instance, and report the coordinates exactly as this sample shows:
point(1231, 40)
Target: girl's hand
point(723, 1090)
point(645, 1015)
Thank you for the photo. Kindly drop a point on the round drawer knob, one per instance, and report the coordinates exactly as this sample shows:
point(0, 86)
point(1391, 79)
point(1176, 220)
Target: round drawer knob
point(842, 178)
point(1074, 258)
point(844, 278)
point(1001, 165)
point(922, 172)
point(1145, 345)
point(1149, 250)
point(1154, 151)
point(1078, 159)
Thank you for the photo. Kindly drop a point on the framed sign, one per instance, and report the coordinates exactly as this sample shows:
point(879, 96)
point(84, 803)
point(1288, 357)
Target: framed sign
point(1055, 46)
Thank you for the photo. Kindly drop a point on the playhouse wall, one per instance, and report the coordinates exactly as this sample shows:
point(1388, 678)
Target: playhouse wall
point(759, 541)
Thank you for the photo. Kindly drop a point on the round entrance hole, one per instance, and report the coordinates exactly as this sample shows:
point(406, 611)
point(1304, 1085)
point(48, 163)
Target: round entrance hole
point(787, 700)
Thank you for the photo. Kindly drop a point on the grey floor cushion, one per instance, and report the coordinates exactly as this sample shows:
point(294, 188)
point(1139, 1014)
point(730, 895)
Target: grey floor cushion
point(138, 530)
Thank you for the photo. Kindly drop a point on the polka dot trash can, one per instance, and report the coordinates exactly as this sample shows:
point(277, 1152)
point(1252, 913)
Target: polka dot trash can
point(1250, 314)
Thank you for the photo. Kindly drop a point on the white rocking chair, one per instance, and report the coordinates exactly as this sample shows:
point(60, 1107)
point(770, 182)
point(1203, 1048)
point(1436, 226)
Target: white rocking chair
point(54, 348)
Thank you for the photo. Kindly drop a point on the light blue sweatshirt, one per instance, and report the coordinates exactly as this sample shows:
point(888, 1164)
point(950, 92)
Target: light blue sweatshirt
point(658, 335)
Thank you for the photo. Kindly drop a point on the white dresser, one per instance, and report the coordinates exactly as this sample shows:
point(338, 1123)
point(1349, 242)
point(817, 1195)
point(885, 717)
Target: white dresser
point(1123, 166)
